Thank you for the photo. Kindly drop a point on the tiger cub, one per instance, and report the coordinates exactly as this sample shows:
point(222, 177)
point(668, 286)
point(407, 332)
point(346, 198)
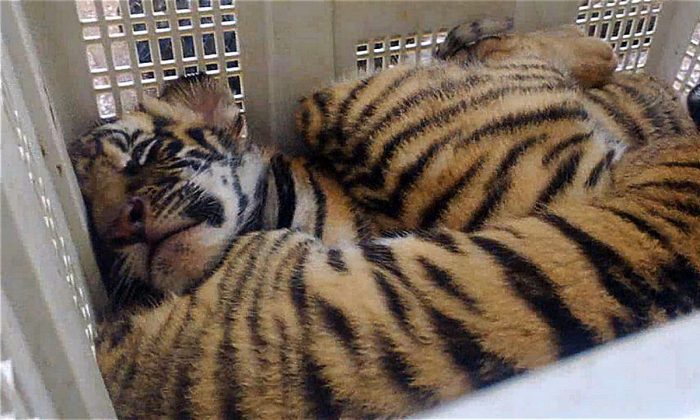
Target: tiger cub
point(288, 327)
point(169, 187)
point(462, 145)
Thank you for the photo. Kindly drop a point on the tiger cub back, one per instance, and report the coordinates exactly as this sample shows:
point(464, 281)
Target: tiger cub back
point(505, 131)
point(461, 146)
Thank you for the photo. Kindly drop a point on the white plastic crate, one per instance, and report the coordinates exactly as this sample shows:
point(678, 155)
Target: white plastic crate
point(68, 63)
point(133, 47)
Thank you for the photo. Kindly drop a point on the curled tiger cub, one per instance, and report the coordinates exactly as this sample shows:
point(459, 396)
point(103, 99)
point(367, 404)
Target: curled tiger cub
point(289, 327)
point(169, 187)
point(462, 145)
point(298, 323)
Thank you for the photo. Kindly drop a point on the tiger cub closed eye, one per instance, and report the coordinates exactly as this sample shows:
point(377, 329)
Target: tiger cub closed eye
point(170, 186)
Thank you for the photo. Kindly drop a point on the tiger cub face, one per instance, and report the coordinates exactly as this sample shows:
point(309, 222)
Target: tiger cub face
point(168, 187)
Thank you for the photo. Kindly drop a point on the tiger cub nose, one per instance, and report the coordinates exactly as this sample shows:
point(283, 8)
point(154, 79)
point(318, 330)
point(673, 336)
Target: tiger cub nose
point(131, 223)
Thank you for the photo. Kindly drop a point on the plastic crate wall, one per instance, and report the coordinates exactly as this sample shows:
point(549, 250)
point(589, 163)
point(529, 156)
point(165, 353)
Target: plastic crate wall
point(628, 25)
point(689, 72)
point(134, 46)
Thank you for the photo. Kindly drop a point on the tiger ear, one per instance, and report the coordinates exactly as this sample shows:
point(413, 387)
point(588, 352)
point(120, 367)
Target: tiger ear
point(203, 98)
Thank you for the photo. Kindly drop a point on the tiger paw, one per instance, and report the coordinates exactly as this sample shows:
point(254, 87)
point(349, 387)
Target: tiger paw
point(460, 40)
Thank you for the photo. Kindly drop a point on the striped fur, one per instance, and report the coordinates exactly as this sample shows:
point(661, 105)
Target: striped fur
point(198, 185)
point(462, 146)
point(289, 327)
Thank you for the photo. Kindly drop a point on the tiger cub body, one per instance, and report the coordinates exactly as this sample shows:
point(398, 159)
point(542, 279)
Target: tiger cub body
point(168, 188)
point(460, 146)
point(288, 327)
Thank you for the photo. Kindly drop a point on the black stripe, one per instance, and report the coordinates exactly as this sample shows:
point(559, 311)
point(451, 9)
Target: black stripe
point(344, 107)
point(432, 214)
point(184, 356)
point(510, 122)
point(154, 152)
point(336, 321)
point(634, 131)
point(686, 279)
point(119, 138)
point(305, 121)
point(174, 146)
point(680, 272)
point(654, 110)
point(193, 164)
point(337, 131)
point(286, 197)
point(598, 169)
point(160, 122)
point(386, 94)
point(137, 151)
point(335, 260)
point(688, 209)
point(298, 287)
point(114, 335)
point(198, 154)
point(641, 224)
point(527, 66)
point(614, 272)
point(321, 100)
point(542, 295)
point(695, 165)
point(207, 207)
point(565, 145)
point(197, 134)
point(382, 256)
point(320, 203)
point(443, 239)
point(358, 157)
point(393, 302)
point(407, 178)
point(447, 89)
point(443, 280)
point(685, 186)
point(229, 389)
point(262, 281)
point(499, 184)
point(678, 224)
point(255, 219)
point(482, 367)
point(508, 229)
point(401, 373)
point(146, 346)
point(318, 391)
point(563, 176)
point(285, 351)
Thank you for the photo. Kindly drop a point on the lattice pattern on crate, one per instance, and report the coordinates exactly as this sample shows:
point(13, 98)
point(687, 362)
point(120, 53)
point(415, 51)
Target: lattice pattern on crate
point(689, 72)
point(381, 53)
point(628, 25)
point(47, 201)
point(134, 46)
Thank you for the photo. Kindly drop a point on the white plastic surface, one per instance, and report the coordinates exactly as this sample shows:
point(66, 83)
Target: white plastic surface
point(653, 374)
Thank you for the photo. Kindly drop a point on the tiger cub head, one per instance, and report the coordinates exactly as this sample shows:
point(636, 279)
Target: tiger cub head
point(168, 187)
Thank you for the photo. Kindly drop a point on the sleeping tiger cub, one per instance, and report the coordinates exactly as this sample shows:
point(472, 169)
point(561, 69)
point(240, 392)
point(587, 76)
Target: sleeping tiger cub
point(169, 187)
point(288, 326)
point(461, 146)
